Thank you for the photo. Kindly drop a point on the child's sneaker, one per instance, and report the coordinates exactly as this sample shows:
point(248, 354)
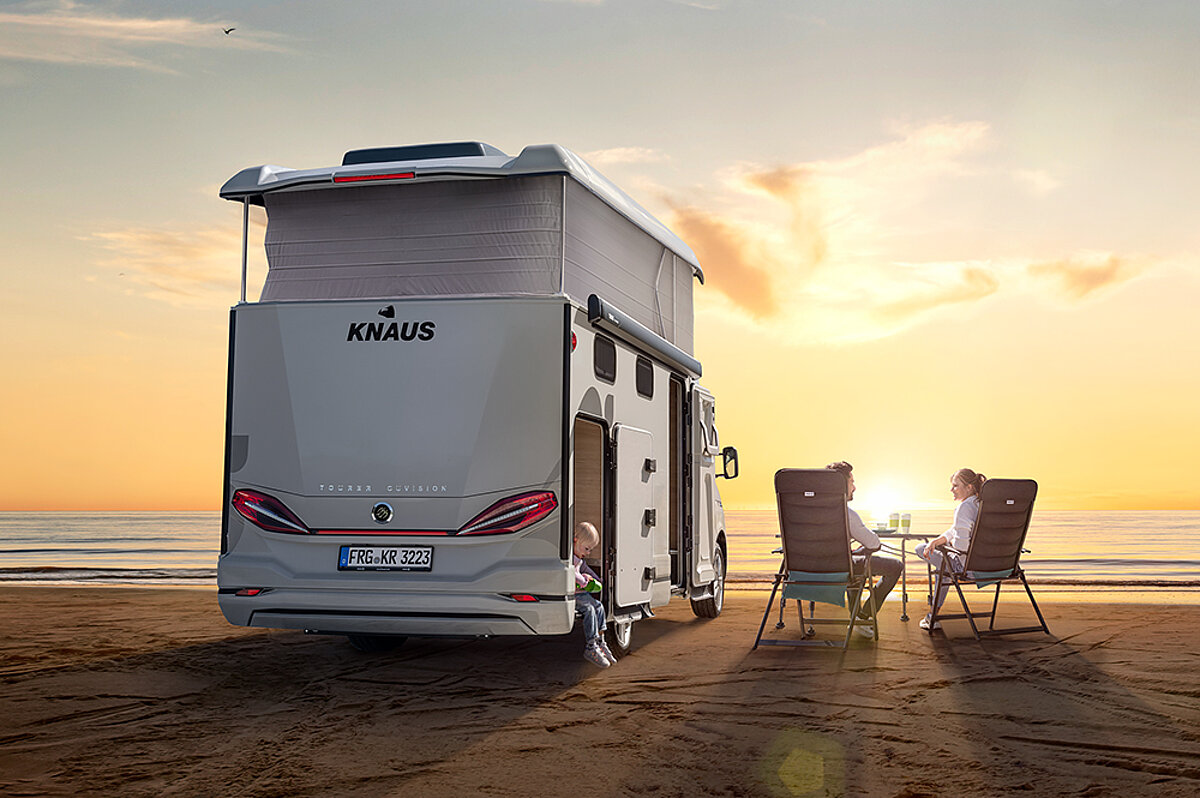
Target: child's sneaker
point(593, 654)
point(612, 659)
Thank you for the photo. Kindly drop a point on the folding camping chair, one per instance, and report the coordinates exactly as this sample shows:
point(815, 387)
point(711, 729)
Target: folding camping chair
point(816, 565)
point(1005, 508)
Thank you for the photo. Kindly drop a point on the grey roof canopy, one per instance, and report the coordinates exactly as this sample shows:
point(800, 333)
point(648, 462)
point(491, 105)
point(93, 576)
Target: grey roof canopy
point(465, 219)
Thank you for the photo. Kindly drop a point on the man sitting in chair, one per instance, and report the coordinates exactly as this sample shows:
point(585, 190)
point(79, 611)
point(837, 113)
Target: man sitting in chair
point(888, 568)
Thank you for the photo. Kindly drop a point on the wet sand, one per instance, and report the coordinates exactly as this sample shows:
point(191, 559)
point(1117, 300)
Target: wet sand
point(114, 691)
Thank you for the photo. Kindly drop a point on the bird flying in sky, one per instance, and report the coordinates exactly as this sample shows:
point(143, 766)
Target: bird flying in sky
point(228, 30)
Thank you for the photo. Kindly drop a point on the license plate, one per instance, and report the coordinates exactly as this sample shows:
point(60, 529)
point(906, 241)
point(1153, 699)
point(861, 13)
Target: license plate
point(385, 558)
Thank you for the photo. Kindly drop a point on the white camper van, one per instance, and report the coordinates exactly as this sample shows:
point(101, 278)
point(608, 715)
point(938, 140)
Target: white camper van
point(456, 357)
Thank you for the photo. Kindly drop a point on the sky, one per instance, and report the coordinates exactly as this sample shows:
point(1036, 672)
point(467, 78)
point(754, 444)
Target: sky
point(935, 235)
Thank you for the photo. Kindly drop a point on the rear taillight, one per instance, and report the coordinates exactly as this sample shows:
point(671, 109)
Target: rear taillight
point(267, 512)
point(512, 514)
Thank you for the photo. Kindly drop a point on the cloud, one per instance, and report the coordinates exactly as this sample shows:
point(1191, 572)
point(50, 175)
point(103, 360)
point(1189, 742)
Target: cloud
point(1081, 276)
point(971, 283)
point(870, 244)
point(1036, 180)
point(623, 155)
point(70, 34)
point(796, 189)
point(200, 267)
point(814, 237)
point(732, 264)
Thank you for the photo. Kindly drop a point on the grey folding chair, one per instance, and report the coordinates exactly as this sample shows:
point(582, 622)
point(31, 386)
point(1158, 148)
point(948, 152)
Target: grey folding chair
point(994, 555)
point(816, 564)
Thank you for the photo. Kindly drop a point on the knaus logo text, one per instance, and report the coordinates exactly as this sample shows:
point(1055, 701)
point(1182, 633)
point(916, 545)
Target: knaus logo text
point(390, 331)
point(396, 331)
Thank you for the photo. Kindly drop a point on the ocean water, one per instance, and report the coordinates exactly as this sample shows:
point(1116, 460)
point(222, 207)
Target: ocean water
point(1134, 549)
point(1140, 549)
point(98, 548)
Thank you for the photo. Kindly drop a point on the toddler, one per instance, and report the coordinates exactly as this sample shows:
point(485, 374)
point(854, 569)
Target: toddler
point(595, 650)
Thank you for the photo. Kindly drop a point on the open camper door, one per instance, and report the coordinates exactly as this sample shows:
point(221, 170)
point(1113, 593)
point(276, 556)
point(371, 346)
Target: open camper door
point(635, 515)
point(705, 448)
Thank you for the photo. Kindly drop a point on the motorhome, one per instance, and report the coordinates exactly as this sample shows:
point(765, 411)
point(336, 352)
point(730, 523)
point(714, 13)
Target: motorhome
point(457, 355)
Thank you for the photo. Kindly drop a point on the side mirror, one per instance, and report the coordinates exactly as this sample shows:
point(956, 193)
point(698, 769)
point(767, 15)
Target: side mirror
point(729, 464)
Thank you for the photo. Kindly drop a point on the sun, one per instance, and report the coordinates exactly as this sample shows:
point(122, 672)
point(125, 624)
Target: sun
point(879, 500)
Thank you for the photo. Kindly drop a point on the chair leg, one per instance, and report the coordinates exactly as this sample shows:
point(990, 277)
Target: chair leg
point(995, 604)
point(967, 609)
point(929, 580)
point(873, 605)
point(853, 607)
point(806, 631)
point(935, 590)
point(1041, 620)
point(780, 624)
point(763, 625)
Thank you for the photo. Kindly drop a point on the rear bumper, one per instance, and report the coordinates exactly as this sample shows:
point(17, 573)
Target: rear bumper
point(391, 613)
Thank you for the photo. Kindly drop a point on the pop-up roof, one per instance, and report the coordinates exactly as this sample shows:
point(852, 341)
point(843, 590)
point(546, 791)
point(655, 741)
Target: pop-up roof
point(464, 219)
point(463, 159)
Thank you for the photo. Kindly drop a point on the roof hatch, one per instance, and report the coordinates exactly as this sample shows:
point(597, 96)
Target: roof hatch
point(419, 152)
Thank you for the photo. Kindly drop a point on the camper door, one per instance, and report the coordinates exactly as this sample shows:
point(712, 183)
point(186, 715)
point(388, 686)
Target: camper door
point(634, 515)
point(705, 449)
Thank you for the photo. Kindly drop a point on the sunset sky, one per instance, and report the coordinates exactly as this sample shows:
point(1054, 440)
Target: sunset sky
point(935, 234)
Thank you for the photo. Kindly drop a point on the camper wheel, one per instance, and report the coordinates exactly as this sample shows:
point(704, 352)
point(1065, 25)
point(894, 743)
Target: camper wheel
point(620, 636)
point(375, 644)
point(710, 606)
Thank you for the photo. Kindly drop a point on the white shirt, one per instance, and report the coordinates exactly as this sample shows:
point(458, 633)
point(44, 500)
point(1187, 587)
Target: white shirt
point(859, 531)
point(959, 535)
point(583, 573)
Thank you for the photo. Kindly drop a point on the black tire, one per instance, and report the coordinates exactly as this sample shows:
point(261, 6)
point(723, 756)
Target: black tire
point(376, 644)
point(619, 636)
point(711, 607)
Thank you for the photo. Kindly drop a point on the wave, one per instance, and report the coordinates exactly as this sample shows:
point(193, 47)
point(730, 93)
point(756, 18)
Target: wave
point(140, 575)
point(92, 551)
point(1122, 562)
point(755, 578)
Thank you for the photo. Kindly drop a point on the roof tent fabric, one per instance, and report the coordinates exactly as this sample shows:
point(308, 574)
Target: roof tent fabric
point(606, 255)
point(427, 239)
point(540, 234)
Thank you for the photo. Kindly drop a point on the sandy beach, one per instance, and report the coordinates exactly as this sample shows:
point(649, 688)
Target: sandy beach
point(115, 691)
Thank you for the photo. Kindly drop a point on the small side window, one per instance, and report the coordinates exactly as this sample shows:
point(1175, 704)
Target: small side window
point(645, 378)
point(604, 357)
point(712, 443)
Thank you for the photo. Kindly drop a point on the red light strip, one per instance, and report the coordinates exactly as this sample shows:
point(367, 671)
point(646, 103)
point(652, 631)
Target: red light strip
point(362, 178)
point(380, 532)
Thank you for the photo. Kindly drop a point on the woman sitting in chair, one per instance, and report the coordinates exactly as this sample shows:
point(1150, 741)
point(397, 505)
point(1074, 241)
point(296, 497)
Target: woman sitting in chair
point(965, 486)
